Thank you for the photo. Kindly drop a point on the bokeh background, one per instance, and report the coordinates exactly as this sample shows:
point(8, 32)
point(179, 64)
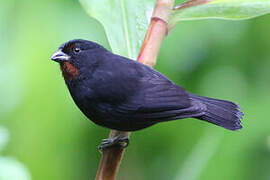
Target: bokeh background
point(43, 135)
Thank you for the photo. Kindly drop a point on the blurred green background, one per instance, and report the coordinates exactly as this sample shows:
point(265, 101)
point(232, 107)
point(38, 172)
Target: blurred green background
point(46, 137)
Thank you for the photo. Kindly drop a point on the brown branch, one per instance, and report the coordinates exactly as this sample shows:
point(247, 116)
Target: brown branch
point(157, 30)
point(190, 3)
point(111, 158)
point(183, 5)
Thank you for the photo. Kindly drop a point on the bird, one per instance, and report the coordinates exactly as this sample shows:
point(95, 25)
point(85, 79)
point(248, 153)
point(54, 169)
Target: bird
point(122, 94)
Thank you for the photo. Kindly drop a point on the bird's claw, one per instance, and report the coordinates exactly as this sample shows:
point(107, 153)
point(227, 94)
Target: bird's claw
point(123, 142)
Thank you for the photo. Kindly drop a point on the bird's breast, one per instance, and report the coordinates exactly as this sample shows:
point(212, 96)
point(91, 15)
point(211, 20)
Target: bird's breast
point(69, 71)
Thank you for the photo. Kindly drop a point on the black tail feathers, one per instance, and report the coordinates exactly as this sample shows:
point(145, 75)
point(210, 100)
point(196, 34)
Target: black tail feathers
point(220, 112)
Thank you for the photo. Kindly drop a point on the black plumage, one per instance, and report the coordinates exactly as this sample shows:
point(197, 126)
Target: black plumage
point(122, 94)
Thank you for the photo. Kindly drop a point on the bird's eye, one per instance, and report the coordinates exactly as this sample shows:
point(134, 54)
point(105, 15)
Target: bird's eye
point(77, 50)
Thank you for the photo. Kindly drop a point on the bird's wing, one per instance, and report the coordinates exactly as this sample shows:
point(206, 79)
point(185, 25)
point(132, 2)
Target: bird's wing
point(160, 94)
point(156, 99)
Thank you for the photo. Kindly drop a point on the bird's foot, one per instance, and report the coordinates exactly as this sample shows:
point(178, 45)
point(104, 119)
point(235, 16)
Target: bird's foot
point(121, 141)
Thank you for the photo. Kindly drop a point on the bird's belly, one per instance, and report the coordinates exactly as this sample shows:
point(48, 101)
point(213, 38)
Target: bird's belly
point(104, 115)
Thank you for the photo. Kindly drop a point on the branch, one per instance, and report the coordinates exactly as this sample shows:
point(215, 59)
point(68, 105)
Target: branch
point(157, 30)
point(111, 158)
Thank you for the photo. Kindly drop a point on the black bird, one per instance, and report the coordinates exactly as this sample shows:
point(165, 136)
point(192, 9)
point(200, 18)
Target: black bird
point(118, 93)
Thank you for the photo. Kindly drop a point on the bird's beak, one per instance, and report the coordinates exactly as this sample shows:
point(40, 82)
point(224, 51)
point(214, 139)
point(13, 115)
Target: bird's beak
point(60, 56)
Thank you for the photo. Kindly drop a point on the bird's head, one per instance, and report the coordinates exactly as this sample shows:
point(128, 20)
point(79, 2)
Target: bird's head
point(75, 55)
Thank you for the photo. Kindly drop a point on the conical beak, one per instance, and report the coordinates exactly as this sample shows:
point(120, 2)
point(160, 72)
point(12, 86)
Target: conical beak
point(60, 56)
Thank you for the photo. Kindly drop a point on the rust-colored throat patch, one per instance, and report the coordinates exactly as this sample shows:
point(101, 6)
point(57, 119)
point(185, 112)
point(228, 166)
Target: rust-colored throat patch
point(69, 72)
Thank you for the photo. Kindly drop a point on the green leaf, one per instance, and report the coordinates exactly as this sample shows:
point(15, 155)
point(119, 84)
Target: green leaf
point(125, 22)
point(220, 9)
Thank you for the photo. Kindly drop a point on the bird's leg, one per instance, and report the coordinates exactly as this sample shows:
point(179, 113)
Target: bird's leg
point(117, 140)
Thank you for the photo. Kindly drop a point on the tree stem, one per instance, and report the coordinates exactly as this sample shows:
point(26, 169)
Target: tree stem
point(157, 30)
point(111, 158)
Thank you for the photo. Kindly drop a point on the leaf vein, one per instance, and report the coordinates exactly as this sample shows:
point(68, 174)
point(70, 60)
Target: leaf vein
point(125, 24)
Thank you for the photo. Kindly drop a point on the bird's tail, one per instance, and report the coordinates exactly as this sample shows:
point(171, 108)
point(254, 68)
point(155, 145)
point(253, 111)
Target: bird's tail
point(220, 112)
